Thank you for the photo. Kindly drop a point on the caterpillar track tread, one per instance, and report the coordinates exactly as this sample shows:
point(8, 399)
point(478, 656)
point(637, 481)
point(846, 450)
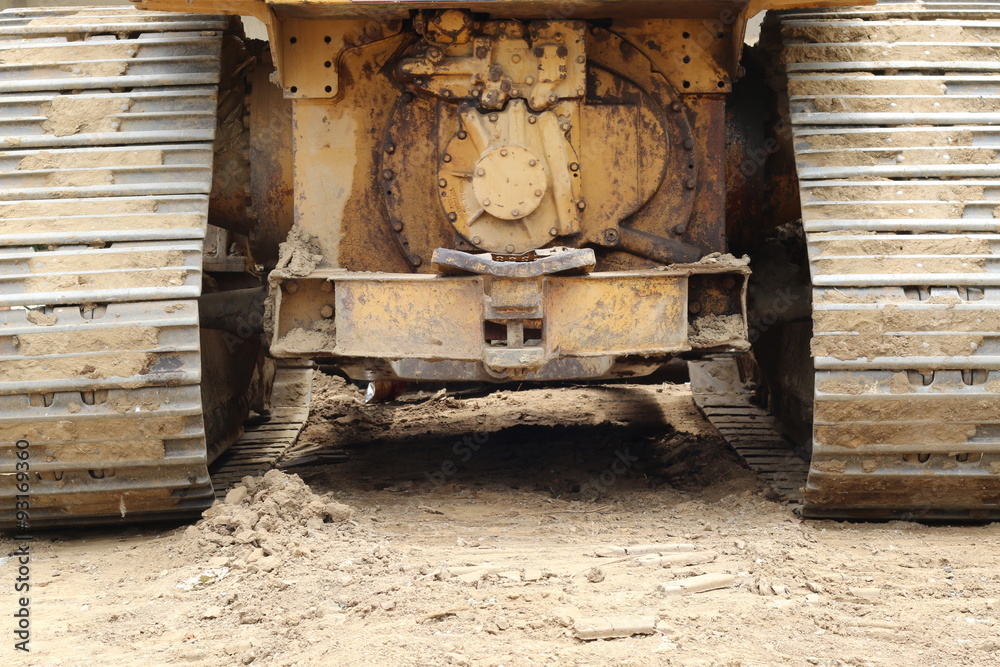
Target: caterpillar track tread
point(891, 110)
point(106, 127)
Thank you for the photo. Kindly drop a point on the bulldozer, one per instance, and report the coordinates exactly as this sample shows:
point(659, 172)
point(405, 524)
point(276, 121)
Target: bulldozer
point(500, 191)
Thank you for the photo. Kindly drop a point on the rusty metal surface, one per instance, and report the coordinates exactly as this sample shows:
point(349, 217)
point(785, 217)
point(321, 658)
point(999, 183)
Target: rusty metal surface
point(542, 262)
point(512, 326)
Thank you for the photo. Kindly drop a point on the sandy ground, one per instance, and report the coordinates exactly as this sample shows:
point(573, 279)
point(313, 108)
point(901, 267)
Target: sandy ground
point(464, 531)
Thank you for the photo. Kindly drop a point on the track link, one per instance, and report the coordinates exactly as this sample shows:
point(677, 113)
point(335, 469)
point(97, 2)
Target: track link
point(107, 118)
point(893, 110)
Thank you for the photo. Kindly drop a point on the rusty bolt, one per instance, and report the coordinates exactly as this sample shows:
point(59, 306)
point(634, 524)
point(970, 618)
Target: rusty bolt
point(581, 204)
point(480, 172)
point(390, 148)
point(446, 158)
point(326, 311)
point(532, 120)
point(529, 80)
point(505, 85)
point(690, 184)
point(538, 193)
point(326, 286)
point(510, 247)
point(388, 174)
point(574, 166)
point(462, 134)
point(292, 286)
point(553, 232)
point(503, 152)
point(452, 217)
point(694, 307)
point(532, 163)
point(675, 106)
point(689, 144)
point(553, 97)
point(486, 202)
point(565, 127)
point(442, 183)
point(476, 240)
point(680, 229)
point(516, 212)
point(493, 117)
point(415, 260)
point(581, 59)
point(611, 236)
point(515, 58)
point(397, 225)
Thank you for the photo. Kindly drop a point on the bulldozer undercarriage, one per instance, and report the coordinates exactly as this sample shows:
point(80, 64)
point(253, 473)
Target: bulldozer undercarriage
point(449, 195)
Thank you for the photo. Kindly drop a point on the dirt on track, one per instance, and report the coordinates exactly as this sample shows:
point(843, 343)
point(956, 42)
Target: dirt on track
point(463, 531)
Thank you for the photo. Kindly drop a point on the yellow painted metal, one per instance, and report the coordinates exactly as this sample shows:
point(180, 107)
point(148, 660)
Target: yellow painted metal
point(412, 316)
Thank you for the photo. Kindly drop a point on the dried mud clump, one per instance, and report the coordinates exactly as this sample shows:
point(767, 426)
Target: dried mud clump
point(265, 512)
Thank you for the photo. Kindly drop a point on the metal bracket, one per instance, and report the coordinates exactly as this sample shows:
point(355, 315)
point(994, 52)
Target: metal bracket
point(525, 265)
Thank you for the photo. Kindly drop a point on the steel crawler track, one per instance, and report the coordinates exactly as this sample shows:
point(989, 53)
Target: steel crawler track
point(107, 118)
point(895, 111)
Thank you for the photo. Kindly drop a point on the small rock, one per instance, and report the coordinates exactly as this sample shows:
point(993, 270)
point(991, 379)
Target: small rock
point(866, 593)
point(814, 587)
point(236, 495)
point(387, 605)
point(531, 575)
point(595, 575)
point(212, 612)
point(218, 561)
point(510, 575)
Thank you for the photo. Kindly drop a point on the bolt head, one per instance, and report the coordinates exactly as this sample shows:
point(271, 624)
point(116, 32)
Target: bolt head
point(516, 212)
point(493, 117)
point(480, 172)
point(326, 286)
point(462, 134)
point(326, 311)
point(415, 260)
point(476, 240)
point(446, 158)
point(532, 163)
point(680, 229)
point(388, 174)
point(538, 193)
point(689, 144)
point(452, 217)
point(553, 98)
point(581, 204)
point(510, 247)
point(675, 106)
point(532, 120)
point(574, 166)
point(486, 202)
point(442, 183)
point(553, 232)
point(503, 152)
point(390, 148)
point(292, 286)
point(690, 184)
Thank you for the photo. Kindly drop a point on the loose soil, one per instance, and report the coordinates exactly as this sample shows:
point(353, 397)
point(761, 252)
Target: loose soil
point(464, 530)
